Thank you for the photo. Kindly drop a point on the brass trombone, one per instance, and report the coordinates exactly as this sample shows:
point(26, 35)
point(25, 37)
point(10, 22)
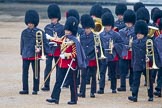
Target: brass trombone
point(149, 53)
point(97, 30)
point(39, 45)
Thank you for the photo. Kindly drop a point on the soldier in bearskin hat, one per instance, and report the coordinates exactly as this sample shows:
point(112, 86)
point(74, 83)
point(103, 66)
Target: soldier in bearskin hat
point(112, 46)
point(57, 30)
point(72, 57)
point(139, 60)
point(158, 59)
point(137, 6)
point(96, 11)
point(28, 50)
point(156, 17)
point(104, 10)
point(127, 34)
point(74, 13)
point(153, 11)
point(143, 14)
point(87, 42)
point(119, 11)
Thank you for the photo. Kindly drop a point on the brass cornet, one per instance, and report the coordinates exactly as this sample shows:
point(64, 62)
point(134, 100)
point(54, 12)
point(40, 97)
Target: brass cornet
point(111, 44)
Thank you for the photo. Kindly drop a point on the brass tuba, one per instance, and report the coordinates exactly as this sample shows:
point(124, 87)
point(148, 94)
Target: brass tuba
point(152, 30)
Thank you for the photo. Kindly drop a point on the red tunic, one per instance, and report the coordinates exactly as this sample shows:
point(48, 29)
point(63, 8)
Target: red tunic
point(63, 63)
point(70, 50)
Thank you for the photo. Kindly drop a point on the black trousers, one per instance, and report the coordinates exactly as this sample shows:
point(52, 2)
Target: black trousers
point(72, 81)
point(48, 69)
point(103, 67)
point(125, 66)
point(92, 73)
point(26, 64)
point(112, 69)
point(136, 84)
point(159, 80)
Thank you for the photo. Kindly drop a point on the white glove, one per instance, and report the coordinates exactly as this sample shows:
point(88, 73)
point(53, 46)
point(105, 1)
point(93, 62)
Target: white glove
point(48, 37)
point(62, 56)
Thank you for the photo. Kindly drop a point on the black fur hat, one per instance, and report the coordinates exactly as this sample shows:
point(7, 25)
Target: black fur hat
point(160, 24)
point(87, 21)
point(32, 16)
point(153, 11)
point(129, 16)
point(141, 27)
point(96, 10)
point(137, 6)
point(143, 14)
point(120, 9)
point(104, 10)
point(71, 24)
point(74, 13)
point(108, 19)
point(157, 15)
point(54, 11)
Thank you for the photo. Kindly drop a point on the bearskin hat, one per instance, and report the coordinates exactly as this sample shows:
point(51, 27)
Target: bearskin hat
point(137, 6)
point(96, 10)
point(71, 24)
point(87, 21)
point(157, 15)
point(54, 11)
point(129, 16)
point(32, 16)
point(120, 9)
point(153, 11)
point(104, 10)
point(108, 19)
point(160, 24)
point(143, 14)
point(141, 27)
point(74, 13)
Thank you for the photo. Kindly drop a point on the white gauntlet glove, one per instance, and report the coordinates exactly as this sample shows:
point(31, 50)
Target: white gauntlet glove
point(62, 56)
point(48, 37)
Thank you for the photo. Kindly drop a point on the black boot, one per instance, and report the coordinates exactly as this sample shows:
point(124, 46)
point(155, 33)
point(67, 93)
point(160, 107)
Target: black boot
point(132, 98)
point(34, 92)
point(157, 93)
point(45, 88)
point(24, 92)
point(121, 89)
point(81, 95)
point(150, 99)
point(92, 95)
point(72, 102)
point(100, 91)
point(52, 101)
